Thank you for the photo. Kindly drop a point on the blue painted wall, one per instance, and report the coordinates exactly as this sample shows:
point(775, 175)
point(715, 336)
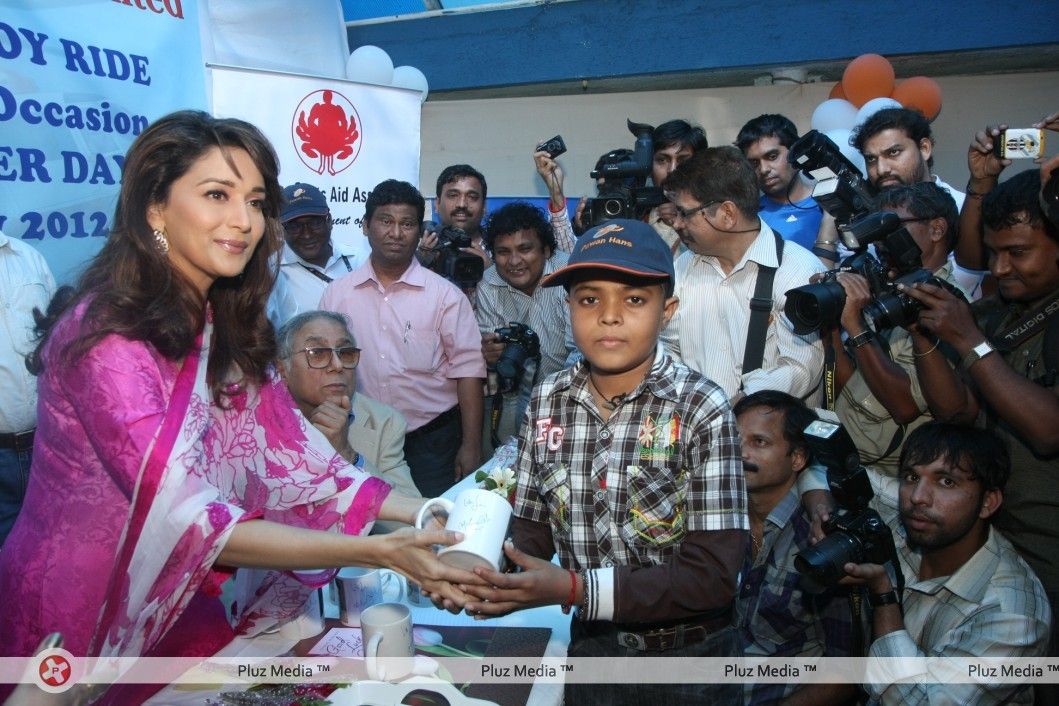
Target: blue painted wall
point(614, 38)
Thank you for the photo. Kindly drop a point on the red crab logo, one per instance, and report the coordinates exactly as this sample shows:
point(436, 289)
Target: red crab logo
point(326, 132)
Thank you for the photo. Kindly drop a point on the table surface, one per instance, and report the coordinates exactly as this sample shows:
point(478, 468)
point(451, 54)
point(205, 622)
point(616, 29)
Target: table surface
point(424, 613)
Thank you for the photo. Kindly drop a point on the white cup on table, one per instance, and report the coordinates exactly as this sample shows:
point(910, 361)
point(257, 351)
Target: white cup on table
point(389, 650)
point(358, 589)
point(482, 516)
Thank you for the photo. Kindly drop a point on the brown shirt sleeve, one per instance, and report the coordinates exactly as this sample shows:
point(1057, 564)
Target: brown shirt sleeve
point(700, 578)
point(534, 538)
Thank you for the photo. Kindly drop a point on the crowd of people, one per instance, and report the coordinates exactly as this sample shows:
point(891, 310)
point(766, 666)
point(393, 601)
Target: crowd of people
point(231, 406)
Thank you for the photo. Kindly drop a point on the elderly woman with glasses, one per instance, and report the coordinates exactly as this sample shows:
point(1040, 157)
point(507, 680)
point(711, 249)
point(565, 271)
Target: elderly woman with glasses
point(169, 454)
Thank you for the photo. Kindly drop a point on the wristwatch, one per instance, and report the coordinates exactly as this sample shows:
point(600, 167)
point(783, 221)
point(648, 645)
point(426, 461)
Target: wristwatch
point(876, 600)
point(976, 354)
point(861, 339)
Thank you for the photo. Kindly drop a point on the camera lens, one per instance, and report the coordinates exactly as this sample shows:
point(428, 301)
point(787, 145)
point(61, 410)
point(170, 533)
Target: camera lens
point(821, 565)
point(814, 305)
point(613, 208)
point(890, 311)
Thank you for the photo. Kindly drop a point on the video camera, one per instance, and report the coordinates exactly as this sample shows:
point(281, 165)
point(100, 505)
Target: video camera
point(840, 189)
point(855, 532)
point(463, 269)
point(523, 344)
point(815, 306)
point(624, 192)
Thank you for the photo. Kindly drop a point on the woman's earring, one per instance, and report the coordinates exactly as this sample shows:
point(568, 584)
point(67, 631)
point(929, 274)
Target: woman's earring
point(160, 241)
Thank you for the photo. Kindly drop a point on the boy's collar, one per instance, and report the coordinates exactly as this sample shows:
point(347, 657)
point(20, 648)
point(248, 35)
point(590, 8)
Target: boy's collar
point(657, 379)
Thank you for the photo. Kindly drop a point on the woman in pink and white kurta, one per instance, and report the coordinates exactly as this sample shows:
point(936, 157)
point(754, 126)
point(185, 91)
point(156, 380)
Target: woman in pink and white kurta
point(167, 455)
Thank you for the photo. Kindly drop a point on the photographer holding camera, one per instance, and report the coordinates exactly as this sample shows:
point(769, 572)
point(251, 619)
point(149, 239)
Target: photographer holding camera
point(879, 398)
point(968, 594)
point(621, 182)
point(450, 249)
point(524, 327)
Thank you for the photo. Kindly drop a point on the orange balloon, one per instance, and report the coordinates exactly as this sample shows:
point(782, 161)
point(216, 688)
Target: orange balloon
point(866, 77)
point(837, 92)
point(920, 93)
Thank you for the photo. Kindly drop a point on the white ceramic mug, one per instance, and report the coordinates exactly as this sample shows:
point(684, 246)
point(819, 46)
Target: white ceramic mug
point(358, 589)
point(482, 516)
point(388, 647)
point(309, 623)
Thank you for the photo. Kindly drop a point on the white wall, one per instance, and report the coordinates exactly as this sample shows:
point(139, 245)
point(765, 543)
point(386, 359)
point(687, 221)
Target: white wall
point(497, 136)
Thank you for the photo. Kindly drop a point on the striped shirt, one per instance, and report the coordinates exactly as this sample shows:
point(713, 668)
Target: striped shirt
point(993, 606)
point(708, 332)
point(545, 311)
point(626, 492)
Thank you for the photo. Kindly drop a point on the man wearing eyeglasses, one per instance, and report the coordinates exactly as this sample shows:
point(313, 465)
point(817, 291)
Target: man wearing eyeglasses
point(422, 352)
point(309, 260)
point(318, 357)
point(724, 328)
point(879, 398)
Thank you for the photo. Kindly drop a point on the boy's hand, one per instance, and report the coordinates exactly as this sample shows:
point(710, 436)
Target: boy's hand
point(539, 583)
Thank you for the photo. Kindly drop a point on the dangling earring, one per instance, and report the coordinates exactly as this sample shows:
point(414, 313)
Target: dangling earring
point(160, 241)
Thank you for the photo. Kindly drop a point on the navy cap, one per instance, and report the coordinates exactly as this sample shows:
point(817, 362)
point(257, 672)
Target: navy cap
point(303, 200)
point(630, 247)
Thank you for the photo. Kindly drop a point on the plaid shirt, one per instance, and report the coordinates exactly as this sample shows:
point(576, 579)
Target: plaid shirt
point(626, 492)
point(992, 606)
point(775, 617)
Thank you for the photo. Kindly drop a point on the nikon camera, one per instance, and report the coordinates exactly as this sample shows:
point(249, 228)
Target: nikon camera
point(523, 345)
point(855, 532)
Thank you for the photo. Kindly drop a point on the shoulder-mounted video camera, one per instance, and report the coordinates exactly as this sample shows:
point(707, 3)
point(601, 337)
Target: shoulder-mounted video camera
point(624, 192)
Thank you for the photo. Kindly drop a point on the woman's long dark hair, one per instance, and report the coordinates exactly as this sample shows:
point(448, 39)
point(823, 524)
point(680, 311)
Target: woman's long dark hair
point(134, 291)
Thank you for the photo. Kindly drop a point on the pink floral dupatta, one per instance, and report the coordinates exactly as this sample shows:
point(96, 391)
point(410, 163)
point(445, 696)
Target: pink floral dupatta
point(207, 469)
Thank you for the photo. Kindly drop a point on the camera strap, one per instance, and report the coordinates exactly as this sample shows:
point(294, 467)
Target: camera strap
point(760, 307)
point(320, 275)
point(1028, 326)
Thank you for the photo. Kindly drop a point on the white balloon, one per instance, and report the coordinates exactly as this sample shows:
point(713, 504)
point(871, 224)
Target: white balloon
point(874, 106)
point(370, 64)
point(841, 138)
point(411, 77)
point(834, 114)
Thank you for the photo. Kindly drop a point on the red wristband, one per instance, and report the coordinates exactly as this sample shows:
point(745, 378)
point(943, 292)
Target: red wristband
point(555, 210)
point(573, 592)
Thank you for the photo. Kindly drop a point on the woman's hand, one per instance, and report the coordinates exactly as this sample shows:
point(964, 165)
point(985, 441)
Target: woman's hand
point(410, 552)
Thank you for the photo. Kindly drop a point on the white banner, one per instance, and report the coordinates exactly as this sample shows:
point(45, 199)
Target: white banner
point(78, 81)
point(342, 137)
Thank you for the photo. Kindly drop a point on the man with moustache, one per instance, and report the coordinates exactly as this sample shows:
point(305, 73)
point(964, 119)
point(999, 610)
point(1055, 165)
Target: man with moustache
point(461, 193)
point(1008, 351)
point(725, 329)
point(422, 353)
point(967, 593)
point(309, 260)
point(898, 149)
point(524, 249)
point(775, 617)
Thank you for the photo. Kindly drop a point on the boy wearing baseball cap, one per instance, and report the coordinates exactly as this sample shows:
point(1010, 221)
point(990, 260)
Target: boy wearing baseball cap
point(630, 469)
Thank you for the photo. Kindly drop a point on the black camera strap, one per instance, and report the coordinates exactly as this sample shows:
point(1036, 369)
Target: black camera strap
point(320, 275)
point(760, 307)
point(1029, 325)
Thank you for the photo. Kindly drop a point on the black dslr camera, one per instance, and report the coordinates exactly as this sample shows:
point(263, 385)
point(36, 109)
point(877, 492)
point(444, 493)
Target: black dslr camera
point(624, 192)
point(855, 532)
point(815, 306)
point(522, 344)
point(840, 188)
point(461, 268)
